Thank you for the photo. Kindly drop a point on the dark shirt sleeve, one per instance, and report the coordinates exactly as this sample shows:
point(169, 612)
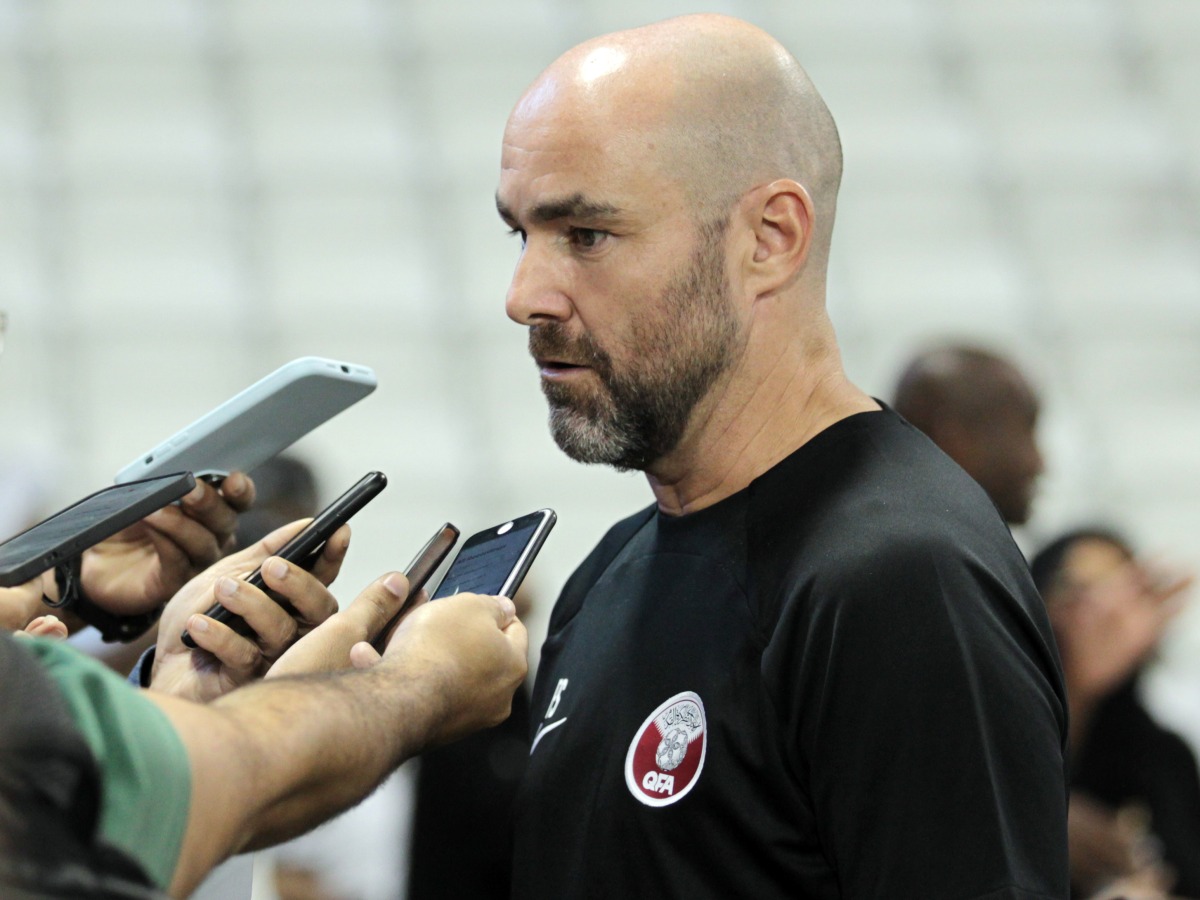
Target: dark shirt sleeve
point(922, 700)
point(139, 675)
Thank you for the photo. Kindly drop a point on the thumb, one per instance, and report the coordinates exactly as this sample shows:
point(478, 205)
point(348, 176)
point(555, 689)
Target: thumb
point(371, 610)
point(506, 611)
point(363, 655)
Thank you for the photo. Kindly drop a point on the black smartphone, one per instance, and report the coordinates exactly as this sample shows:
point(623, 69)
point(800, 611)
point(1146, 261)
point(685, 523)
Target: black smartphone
point(424, 564)
point(495, 560)
point(69, 532)
point(304, 548)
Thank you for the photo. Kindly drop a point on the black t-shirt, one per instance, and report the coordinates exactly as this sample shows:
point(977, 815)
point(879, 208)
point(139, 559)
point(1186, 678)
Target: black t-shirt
point(837, 683)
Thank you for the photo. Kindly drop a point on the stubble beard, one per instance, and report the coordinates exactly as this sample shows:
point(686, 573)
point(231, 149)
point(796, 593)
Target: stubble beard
point(639, 414)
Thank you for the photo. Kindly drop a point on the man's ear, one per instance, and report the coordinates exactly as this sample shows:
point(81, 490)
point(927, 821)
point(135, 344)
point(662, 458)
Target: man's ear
point(780, 216)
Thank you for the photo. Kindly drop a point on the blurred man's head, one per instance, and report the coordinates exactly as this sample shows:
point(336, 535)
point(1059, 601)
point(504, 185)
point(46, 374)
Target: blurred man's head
point(981, 410)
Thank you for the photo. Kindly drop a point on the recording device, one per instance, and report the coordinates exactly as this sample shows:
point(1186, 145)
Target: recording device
point(304, 548)
point(255, 425)
point(495, 560)
point(424, 564)
point(67, 533)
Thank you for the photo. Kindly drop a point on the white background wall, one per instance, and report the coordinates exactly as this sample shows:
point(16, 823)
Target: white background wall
point(192, 193)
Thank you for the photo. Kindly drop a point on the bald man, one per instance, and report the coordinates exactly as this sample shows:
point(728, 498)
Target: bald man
point(816, 666)
point(982, 412)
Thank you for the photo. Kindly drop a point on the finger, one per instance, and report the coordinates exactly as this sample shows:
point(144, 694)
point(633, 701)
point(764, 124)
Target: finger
point(47, 626)
point(236, 653)
point(376, 606)
point(1167, 589)
point(195, 541)
point(247, 560)
point(506, 611)
point(274, 541)
point(363, 655)
point(329, 562)
point(273, 629)
point(238, 491)
point(517, 634)
point(206, 505)
point(308, 596)
point(406, 609)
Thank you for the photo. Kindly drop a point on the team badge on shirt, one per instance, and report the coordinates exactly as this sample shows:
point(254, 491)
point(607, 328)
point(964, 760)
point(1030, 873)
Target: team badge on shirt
point(667, 753)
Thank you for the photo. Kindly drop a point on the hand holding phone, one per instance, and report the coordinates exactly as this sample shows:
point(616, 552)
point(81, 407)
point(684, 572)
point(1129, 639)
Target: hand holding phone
point(304, 548)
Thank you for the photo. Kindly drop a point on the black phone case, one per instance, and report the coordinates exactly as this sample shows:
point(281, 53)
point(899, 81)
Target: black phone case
point(516, 575)
point(69, 532)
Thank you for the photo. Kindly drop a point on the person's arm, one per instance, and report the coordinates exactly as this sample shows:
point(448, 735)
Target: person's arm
point(138, 569)
point(280, 756)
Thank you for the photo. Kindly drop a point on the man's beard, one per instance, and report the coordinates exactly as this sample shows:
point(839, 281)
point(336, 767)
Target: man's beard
point(638, 415)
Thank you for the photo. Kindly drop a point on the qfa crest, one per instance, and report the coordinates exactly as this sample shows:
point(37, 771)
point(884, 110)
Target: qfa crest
point(667, 753)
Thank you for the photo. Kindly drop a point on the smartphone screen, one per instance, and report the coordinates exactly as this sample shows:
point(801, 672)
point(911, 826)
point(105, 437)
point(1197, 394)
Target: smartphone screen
point(495, 561)
point(68, 533)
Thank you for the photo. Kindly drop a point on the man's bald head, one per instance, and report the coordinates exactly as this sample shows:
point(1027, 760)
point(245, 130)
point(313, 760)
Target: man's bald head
point(716, 104)
point(981, 410)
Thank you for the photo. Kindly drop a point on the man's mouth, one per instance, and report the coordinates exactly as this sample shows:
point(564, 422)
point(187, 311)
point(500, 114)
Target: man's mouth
point(558, 366)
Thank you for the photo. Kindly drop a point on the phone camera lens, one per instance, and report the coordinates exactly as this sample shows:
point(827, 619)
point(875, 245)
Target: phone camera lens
point(346, 369)
point(149, 459)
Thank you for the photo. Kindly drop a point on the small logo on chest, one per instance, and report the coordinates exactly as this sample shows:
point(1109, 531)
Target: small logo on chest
point(667, 754)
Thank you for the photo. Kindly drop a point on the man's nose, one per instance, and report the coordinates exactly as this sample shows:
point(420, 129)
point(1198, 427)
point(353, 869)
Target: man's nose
point(538, 291)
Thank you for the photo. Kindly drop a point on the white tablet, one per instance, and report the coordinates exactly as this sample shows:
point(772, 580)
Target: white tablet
point(264, 419)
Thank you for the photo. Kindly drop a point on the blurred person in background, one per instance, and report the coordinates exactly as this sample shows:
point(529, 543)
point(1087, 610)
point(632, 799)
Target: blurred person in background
point(1135, 801)
point(982, 411)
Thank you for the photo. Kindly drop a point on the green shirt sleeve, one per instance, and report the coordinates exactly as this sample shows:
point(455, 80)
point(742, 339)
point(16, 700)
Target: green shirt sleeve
point(147, 781)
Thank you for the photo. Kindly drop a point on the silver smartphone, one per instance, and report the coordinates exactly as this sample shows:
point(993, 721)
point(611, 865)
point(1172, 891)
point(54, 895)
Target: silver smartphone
point(495, 560)
point(263, 420)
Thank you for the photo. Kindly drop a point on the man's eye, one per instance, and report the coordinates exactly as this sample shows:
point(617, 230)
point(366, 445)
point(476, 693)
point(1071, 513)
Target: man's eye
point(518, 232)
point(587, 238)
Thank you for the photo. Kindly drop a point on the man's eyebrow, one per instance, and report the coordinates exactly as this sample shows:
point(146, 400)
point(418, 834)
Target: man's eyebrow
point(576, 206)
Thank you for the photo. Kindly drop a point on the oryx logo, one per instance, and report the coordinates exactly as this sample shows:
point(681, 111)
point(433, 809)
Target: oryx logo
point(667, 753)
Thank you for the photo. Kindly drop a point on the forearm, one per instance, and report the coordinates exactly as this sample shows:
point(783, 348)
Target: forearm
point(274, 759)
point(322, 744)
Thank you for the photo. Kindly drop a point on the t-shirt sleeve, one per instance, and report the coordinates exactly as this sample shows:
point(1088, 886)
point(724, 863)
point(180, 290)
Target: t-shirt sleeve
point(924, 718)
point(145, 773)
